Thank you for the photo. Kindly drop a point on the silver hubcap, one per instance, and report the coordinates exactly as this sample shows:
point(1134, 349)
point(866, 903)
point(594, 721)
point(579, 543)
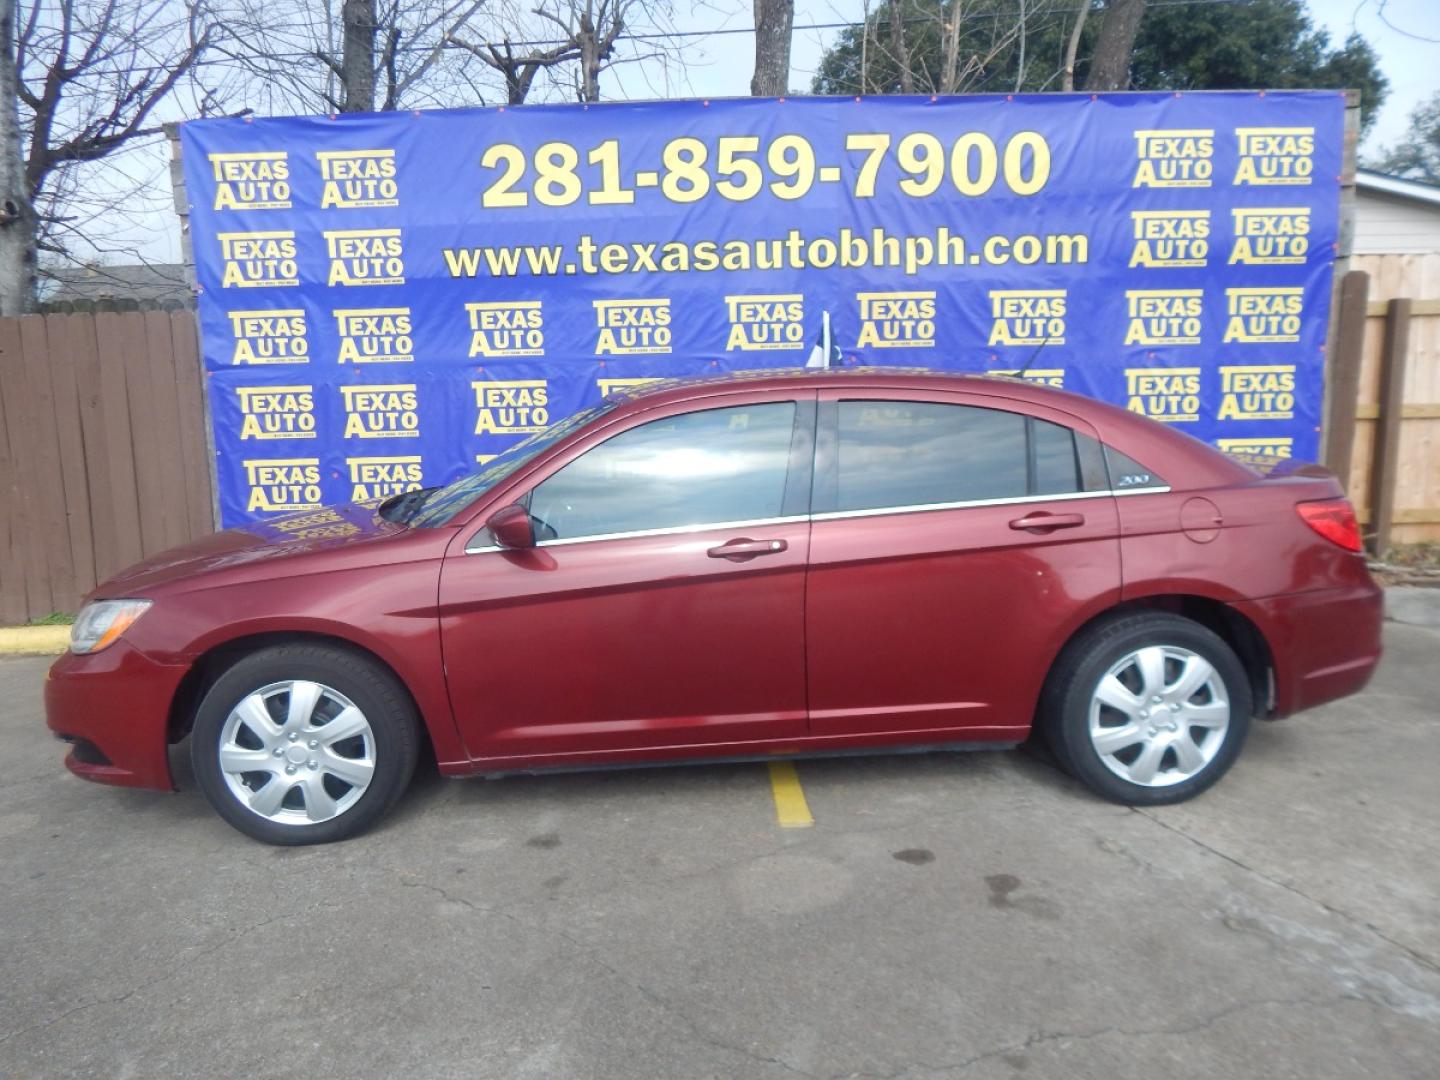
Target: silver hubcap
point(297, 752)
point(1159, 716)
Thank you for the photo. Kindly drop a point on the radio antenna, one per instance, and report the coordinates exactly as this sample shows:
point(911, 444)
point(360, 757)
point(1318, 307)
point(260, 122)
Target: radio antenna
point(1031, 359)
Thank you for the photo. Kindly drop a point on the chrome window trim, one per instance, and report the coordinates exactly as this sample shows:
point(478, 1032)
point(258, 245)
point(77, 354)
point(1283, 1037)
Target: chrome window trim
point(671, 530)
point(675, 530)
point(1159, 489)
point(832, 515)
point(1014, 500)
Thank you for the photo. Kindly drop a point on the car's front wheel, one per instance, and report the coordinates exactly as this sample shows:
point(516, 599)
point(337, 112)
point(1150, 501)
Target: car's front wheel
point(1148, 708)
point(304, 743)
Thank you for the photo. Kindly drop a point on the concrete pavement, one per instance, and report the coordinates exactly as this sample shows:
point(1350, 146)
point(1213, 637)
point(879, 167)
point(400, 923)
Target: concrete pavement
point(973, 916)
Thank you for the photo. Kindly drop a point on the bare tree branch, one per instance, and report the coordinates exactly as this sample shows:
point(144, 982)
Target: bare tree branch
point(84, 79)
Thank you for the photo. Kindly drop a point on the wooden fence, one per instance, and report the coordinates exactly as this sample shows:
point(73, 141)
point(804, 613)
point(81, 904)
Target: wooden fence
point(103, 455)
point(1394, 436)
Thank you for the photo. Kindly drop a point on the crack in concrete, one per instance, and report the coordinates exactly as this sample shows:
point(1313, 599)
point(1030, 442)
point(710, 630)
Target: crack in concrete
point(174, 967)
point(1418, 957)
point(1040, 1038)
point(413, 884)
point(408, 879)
point(592, 953)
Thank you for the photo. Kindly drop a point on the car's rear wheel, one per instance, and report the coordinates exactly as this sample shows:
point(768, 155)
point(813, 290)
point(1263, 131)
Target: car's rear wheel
point(304, 743)
point(1147, 709)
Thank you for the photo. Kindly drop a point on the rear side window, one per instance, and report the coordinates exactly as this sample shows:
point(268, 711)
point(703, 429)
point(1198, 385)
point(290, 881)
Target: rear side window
point(1128, 474)
point(1057, 468)
point(915, 453)
point(699, 468)
point(1065, 460)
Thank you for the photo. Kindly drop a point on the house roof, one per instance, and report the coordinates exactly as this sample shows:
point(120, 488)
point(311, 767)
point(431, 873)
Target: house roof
point(1367, 180)
point(152, 282)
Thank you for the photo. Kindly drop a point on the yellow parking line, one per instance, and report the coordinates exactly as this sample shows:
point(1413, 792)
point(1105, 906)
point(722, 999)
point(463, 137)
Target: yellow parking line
point(791, 809)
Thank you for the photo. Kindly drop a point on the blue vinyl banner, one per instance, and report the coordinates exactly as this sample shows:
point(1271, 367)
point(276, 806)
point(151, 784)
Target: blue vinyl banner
point(388, 300)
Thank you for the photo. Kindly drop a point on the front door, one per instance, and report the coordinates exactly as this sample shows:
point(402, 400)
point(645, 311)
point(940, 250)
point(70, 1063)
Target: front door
point(954, 541)
point(663, 606)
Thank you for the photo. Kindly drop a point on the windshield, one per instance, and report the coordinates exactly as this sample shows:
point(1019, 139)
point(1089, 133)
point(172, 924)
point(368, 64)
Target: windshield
point(444, 503)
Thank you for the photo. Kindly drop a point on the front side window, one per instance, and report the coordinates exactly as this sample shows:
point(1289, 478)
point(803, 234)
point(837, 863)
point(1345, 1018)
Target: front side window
point(442, 504)
point(699, 468)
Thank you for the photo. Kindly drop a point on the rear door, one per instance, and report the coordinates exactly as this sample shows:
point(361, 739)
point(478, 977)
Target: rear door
point(955, 541)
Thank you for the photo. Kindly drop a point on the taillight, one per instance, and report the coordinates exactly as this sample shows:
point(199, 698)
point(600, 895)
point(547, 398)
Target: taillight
point(1334, 519)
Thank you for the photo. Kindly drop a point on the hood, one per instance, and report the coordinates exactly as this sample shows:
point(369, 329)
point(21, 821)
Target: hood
point(306, 532)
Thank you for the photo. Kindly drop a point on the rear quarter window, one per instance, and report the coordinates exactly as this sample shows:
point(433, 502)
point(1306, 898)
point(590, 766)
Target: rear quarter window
point(1127, 474)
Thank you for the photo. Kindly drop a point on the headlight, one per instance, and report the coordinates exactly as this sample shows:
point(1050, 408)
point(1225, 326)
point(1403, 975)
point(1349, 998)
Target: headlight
point(100, 624)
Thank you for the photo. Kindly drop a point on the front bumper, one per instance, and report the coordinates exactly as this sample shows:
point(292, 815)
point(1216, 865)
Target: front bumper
point(1325, 644)
point(114, 707)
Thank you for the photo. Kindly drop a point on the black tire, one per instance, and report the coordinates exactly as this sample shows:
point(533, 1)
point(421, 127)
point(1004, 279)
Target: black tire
point(1064, 715)
point(385, 704)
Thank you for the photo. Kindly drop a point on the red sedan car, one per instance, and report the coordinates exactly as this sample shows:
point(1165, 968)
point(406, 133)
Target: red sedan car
point(792, 563)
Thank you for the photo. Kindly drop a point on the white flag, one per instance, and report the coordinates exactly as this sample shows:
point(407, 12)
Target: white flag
point(824, 351)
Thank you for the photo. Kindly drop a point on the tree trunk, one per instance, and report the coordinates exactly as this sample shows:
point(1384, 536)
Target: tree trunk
point(773, 22)
point(590, 58)
point(1110, 66)
point(17, 218)
point(589, 71)
point(358, 59)
point(517, 85)
point(1072, 47)
point(1020, 48)
point(865, 49)
point(950, 68)
point(902, 51)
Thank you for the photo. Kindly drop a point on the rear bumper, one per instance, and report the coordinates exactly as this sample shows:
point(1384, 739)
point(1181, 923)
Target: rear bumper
point(114, 708)
point(1325, 644)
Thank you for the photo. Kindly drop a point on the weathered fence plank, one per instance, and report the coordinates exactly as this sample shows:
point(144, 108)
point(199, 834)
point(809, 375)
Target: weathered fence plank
point(1385, 457)
point(113, 338)
point(80, 527)
point(1343, 392)
point(200, 498)
point(13, 605)
point(103, 454)
point(29, 512)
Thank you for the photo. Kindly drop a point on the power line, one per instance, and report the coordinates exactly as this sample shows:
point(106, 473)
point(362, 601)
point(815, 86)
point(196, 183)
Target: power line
point(662, 35)
point(1380, 11)
point(233, 61)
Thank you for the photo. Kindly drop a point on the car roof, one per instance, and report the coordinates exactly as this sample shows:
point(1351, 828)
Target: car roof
point(1155, 444)
point(659, 391)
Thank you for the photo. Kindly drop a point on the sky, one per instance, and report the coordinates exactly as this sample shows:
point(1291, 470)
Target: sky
point(1411, 63)
point(721, 66)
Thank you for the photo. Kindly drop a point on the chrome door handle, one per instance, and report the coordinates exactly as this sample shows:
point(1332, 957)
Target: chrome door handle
point(744, 548)
point(1041, 522)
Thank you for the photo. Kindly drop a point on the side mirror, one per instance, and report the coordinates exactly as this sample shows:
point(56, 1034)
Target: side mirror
point(511, 527)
